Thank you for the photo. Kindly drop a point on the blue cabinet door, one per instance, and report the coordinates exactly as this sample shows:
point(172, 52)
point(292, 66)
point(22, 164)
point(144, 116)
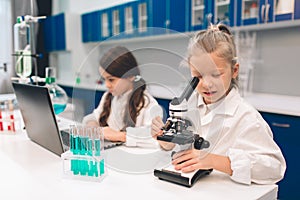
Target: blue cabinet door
point(129, 19)
point(286, 10)
point(224, 12)
point(200, 14)
point(117, 22)
point(266, 11)
point(286, 134)
point(55, 33)
point(151, 17)
point(105, 24)
point(91, 27)
point(249, 12)
point(158, 16)
point(297, 9)
point(177, 16)
point(143, 17)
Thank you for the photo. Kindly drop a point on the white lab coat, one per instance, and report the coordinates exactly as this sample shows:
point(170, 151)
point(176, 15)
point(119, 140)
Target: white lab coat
point(140, 135)
point(236, 129)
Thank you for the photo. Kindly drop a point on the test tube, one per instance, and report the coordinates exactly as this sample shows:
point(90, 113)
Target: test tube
point(1, 123)
point(73, 149)
point(90, 142)
point(72, 138)
point(101, 167)
point(97, 141)
point(11, 116)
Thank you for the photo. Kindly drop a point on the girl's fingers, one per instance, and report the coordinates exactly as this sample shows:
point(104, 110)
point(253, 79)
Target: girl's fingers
point(181, 153)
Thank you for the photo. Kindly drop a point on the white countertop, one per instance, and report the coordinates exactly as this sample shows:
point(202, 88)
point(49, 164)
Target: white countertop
point(29, 171)
point(273, 103)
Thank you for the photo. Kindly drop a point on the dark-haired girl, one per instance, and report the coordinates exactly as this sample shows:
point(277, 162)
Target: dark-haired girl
point(127, 102)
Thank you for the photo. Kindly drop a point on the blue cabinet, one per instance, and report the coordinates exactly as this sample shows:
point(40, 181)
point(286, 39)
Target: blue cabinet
point(55, 33)
point(266, 11)
point(286, 134)
point(154, 17)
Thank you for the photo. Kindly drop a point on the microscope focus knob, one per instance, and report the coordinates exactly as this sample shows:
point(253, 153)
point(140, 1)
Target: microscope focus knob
point(200, 143)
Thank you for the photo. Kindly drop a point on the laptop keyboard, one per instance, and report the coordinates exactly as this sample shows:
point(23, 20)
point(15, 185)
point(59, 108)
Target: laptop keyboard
point(65, 136)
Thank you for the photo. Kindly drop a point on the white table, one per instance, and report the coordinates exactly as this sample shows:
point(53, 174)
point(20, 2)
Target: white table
point(28, 171)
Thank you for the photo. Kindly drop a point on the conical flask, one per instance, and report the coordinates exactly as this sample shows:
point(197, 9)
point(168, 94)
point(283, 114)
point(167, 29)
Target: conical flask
point(58, 96)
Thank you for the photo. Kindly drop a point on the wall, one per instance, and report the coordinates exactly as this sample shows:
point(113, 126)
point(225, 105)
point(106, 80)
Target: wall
point(6, 46)
point(279, 70)
point(275, 70)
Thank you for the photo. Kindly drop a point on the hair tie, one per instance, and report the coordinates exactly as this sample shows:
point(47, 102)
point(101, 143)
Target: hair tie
point(234, 58)
point(137, 78)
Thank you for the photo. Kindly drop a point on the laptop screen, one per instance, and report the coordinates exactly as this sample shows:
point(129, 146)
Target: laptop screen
point(38, 116)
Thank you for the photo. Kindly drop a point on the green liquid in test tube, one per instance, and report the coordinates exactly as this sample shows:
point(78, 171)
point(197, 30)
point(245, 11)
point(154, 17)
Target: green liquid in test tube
point(77, 144)
point(82, 145)
point(90, 168)
point(90, 147)
point(97, 147)
point(101, 167)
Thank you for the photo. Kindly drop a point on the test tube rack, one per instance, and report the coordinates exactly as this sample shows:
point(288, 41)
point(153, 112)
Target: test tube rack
point(10, 121)
point(85, 159)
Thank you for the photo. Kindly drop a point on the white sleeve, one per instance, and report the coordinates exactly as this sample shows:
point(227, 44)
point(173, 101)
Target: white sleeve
point(255, 157)
point(141, 134)
point(94, 116)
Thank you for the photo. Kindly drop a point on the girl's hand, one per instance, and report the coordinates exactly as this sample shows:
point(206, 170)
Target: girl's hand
point(156, 126)
point(113, 135)
point(191, 160)
point(92, 124)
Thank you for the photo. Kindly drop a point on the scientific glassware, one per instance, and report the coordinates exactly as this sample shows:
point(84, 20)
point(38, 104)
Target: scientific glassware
point(58, 96)
point(22, 49)
point(85, 159)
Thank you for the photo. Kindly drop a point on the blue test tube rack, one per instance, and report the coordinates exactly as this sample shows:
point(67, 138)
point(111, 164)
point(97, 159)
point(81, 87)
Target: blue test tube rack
point(85, 159)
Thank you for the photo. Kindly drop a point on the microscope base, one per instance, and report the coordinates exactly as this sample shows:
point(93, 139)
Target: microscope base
point(180, 179)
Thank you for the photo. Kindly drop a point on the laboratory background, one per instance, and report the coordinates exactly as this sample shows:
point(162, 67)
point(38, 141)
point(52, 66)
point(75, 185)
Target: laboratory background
point(72, 35)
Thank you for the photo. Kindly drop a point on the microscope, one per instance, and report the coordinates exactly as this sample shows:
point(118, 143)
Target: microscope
point(176, 131)
point(176, 127)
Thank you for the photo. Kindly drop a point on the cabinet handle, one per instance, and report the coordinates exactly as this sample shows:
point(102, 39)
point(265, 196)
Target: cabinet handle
point(267, 13)
point(281, 125)
point(262, 12)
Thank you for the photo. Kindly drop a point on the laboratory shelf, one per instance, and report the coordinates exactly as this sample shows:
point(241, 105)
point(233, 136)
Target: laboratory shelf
point(268, 26)
point(179, 35)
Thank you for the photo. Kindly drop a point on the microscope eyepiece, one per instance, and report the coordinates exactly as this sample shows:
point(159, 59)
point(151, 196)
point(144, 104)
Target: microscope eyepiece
point(187, 92)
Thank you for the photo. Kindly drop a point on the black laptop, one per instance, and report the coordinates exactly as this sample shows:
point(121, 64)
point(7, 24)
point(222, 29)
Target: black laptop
point(39, 118)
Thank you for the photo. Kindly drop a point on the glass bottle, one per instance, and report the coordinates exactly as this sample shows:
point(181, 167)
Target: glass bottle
point(22, 49)
point(58, 96)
